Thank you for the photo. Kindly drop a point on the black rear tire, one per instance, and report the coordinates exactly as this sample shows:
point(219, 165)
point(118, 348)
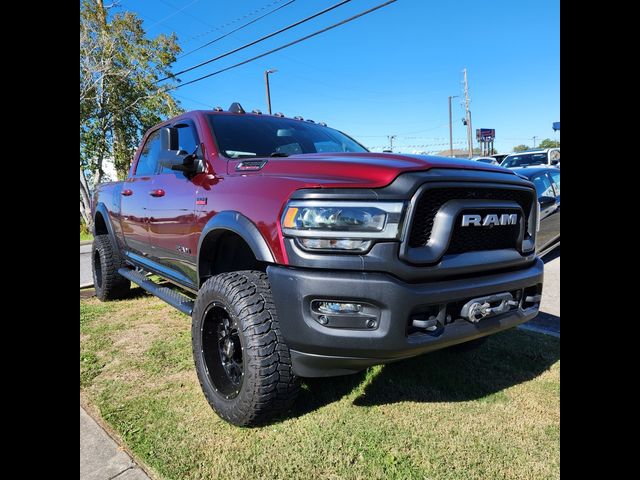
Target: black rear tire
point(242, 362)
point(105, 262)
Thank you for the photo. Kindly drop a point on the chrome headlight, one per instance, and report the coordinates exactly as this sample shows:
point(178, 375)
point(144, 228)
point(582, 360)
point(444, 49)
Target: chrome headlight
point(341, 225)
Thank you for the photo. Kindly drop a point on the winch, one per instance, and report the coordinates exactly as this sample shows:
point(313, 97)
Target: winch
point(482, 307)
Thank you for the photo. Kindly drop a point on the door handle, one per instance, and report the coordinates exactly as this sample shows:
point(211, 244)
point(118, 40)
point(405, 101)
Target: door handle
point(126, 192)
point(157, 193)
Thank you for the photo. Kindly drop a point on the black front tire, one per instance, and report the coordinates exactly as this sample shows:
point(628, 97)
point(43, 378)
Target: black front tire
point(105, 262)
point(242, 362)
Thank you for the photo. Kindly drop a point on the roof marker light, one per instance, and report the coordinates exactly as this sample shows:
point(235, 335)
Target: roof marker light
point(236, 108)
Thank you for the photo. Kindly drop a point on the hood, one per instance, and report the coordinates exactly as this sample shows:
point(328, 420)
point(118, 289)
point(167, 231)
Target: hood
point(371, 170)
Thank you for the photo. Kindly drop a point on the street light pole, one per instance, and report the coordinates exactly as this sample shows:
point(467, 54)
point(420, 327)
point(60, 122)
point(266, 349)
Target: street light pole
point(391, 138)
point(451, 127)
point(468, 114)
point(534, 141)
point(266, 82)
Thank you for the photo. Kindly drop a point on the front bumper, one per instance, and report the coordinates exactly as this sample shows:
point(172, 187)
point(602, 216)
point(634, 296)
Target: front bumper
point(321, 351)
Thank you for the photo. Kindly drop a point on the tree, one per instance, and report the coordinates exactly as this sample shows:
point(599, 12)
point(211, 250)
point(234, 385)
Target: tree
point(520, 148)
point(548, 143)
point(119, 98)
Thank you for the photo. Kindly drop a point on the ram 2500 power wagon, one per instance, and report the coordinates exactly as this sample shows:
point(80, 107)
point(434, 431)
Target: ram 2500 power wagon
point(299, 253)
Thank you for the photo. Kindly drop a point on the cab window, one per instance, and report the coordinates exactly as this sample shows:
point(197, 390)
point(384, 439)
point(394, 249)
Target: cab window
point(555, 178)
point(187, 143)
point(148, 160)
point(543, 185)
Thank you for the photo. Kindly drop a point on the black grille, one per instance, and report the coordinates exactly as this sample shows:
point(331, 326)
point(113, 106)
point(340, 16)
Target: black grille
point(472, 238)
point(432, 199)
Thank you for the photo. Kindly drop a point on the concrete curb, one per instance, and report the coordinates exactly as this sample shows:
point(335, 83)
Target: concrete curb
point(101, 456)
point(86, 242)
point(85, 285)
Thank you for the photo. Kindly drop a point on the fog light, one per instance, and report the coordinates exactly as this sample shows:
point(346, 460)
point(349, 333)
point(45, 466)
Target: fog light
point(338, 307)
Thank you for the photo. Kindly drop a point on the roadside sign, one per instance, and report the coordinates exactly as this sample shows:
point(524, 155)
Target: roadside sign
point(485, 133)
point(556, 126)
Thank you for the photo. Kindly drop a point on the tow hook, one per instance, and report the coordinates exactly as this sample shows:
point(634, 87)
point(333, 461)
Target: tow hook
point(435, 323)
point(482, 307)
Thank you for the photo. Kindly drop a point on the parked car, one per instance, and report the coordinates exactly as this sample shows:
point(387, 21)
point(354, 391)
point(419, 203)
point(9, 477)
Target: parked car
point(547, 183)
point(490, 160)
point(547, 156)
point(299, 253)
point(499, 156)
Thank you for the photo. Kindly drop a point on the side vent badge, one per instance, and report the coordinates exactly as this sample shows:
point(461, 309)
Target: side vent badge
point(250, 165)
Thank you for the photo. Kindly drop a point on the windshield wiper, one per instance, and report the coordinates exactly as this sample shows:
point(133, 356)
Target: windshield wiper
point(279, 154)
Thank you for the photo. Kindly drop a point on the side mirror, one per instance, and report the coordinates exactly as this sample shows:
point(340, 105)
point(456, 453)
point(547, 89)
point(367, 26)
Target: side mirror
point(169, 138)
point(191, 164)
point(546, 201)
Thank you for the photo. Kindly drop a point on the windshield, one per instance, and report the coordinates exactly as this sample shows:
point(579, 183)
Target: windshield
point(248, 136)
point(523, 159)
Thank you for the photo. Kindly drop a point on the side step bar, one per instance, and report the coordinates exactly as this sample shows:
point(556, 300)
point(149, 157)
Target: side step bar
point(173, 298)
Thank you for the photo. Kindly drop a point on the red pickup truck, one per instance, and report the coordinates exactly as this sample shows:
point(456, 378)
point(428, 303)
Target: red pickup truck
point(299, 253)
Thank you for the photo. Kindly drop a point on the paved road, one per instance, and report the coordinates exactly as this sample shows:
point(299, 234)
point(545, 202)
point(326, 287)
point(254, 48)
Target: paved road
point(86, 276)
point(549, 316)
point(100, 457)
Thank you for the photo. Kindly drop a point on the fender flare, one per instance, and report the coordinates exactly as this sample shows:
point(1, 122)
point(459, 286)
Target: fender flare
point(102, 209)
point(230, 220)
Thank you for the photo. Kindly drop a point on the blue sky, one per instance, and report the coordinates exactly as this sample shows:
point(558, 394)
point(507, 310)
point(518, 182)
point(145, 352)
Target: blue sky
point(387, 73)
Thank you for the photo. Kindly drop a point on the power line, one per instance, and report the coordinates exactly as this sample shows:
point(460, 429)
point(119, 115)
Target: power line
point(220, 27)
point(423, 145)
point(339, 4)
point(172, 14)
point(236, 29)
point(306, 37)
point(193, 100)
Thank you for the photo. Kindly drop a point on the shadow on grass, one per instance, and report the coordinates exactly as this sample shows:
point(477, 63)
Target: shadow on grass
point(506, 359)
point(135, 292)
point(139, 292)
point(318, 392)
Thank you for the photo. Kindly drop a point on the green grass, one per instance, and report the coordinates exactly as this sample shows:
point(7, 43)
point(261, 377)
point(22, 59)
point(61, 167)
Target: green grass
point(85, 236)
point(491, 413)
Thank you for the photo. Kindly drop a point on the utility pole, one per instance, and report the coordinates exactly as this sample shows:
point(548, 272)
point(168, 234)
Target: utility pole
point(266, 82)
point(468, 115)
point(391, 137)
point(451, 127)
point(534, 141)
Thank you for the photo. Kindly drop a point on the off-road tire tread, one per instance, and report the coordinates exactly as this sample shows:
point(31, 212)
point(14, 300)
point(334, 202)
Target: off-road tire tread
point(114, 286)
point(269, 386)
